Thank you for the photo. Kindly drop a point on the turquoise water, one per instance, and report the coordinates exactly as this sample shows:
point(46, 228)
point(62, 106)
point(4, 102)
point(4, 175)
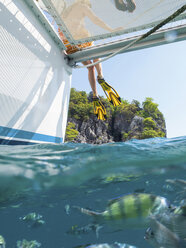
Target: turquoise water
point(50, 180)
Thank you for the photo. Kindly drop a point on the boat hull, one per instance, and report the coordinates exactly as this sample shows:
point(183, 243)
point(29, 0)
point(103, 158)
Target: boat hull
point(35, 79)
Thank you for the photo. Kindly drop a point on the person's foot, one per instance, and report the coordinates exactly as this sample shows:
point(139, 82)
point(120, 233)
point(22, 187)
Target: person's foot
point(110, 92)
point(131, 6)
point(120, 5)
point(100, 79)
point(99, 109)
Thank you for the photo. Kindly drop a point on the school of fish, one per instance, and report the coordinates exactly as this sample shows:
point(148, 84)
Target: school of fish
point(166, 224)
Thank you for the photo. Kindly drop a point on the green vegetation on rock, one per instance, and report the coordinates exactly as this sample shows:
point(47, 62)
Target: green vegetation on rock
point(149, 123)
point(150, 109)
point(127, 121)
point(150, 129)
point(150, 133)
point(128, 110)
point(125, 136)
point(79, 107)
point(71, 132)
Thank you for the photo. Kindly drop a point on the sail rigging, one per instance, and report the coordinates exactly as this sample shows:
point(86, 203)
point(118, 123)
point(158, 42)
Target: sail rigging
point(144, 36)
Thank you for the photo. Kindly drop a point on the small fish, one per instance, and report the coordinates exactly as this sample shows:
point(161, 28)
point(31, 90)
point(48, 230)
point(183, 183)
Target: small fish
point(2, 242)
point(131, 208)
point(180, 210)
point(85, 229)
point(175, 220)
point(67, 209)
point(105, 245)
point(28, 244)
point(159, 236)
point(177, 182)
point(33, 219)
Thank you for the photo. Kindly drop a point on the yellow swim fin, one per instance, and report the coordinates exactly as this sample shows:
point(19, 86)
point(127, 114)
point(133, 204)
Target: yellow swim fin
point(99, 109)
point(110, 92)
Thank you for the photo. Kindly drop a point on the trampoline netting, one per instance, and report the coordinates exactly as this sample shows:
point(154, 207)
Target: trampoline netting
point(88, 20)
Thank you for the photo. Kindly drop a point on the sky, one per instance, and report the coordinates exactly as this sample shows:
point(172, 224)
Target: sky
point(158, 72)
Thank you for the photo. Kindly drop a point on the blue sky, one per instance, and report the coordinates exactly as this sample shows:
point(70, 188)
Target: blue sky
point(158, 72)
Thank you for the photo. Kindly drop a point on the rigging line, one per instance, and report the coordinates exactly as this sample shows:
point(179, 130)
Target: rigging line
point(151, 31)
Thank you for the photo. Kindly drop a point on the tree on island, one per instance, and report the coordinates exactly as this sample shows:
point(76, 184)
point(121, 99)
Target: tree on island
point(125, 122)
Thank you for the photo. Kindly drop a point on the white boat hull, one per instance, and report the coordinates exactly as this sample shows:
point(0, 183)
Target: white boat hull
point(35, 80)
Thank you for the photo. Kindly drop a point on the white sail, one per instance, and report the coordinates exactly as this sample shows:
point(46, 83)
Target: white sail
point(108, 18)
point(35, 78)
point(59, 5)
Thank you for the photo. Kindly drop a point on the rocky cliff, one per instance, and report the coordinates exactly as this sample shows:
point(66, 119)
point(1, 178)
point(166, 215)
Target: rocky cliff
point(128, 121)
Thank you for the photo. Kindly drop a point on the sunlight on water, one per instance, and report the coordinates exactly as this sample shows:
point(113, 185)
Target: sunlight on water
point(43, 188)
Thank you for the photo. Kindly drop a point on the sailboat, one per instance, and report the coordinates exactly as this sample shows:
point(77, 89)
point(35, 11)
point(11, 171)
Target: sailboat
point(36, 71)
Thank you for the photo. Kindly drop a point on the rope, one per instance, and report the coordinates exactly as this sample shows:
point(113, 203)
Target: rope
point(151, 31)
point(144, 13)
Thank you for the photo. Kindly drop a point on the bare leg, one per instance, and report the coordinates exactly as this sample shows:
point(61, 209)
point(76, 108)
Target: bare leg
point(98, 68)
point(99, 108)
point(91, 77)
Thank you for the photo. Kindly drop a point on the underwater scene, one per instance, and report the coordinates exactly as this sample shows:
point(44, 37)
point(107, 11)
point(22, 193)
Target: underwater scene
point(117, 195)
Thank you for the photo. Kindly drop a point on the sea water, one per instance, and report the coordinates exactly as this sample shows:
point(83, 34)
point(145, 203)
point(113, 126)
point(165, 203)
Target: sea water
point(49, 180)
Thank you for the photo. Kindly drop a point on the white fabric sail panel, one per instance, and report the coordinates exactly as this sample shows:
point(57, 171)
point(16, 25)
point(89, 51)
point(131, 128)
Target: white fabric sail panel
point(35, 80)
point(59, 5)
point(87, 20)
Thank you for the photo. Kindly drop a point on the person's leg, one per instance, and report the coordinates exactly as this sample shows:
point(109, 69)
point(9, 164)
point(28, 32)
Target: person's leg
point(99, 109)
point(110, 92)
point(98, 68)
point(91, 77)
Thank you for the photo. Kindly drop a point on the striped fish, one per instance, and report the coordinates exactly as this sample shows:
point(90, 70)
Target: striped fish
point(159, 236)
point(130, 208)
point(105, 245)
point(2, 242)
